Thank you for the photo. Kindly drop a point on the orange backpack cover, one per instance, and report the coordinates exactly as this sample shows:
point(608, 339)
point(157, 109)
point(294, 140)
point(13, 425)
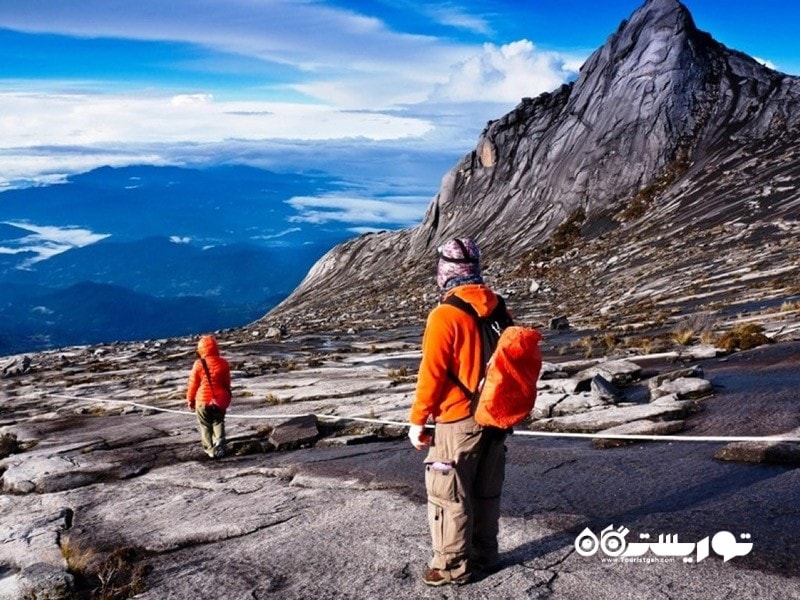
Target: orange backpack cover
point(509, 388)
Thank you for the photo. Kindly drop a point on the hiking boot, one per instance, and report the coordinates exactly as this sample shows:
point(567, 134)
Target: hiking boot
point(218, 451)
point(489, 568)
point(437, 577)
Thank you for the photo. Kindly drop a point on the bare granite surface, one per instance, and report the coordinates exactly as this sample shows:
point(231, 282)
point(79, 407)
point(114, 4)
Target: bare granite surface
point(92, 476)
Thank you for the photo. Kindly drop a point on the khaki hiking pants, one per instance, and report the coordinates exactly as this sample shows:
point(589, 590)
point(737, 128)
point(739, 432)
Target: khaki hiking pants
point(464, 474)
point(211, 423)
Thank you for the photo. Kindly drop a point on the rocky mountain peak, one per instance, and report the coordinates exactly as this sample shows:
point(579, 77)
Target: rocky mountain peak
point(665, 133)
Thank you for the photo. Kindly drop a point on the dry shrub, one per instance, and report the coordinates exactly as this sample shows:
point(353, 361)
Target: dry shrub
point(790, 306)
point(121, 574)
point(709, 338)
point(587, 343)
point(400, 375)
point(611, 340)
point(696, 325)
point(645, 345)
point(744, 337)
point(273, 400)
point(116, 575)
point(683, 337)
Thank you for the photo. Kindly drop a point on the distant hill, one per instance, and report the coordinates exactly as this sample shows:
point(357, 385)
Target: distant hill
point(148, 252)
point(90, 313)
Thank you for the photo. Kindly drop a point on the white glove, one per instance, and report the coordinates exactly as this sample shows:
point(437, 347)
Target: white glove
point(418, 437)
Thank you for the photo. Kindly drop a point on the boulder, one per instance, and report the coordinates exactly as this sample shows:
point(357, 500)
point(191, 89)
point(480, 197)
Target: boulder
point(294, 433)
point(695, 371)
point(577, 403)
point(605, 390)
point(45, 581)
point(545, 401)
point(618, 372)
point(551, 371)
point(599, 420)
point(642, 427)
point(683, 387)
point(771, 453)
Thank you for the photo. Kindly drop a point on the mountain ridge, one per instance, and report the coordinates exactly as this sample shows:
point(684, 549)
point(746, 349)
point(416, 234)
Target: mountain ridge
point(668, 143)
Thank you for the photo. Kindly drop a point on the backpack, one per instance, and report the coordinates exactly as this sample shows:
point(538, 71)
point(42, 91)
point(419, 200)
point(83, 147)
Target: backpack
point(510, 366)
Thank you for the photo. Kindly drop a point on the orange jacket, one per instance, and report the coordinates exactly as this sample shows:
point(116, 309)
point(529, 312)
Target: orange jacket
point(199, 390)
point(451, 342)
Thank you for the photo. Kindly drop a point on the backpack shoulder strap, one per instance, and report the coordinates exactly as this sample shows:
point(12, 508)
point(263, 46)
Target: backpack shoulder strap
point(208, 375)
point(499, 315)
point(454, 300)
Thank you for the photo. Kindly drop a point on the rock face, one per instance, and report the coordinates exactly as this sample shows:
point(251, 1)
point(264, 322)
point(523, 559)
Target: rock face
point(105, 490)
point(668, 155)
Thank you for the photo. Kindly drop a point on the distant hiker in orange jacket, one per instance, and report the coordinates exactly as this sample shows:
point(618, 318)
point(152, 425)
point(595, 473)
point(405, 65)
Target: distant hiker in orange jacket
point(209, 395)
point(465, 466)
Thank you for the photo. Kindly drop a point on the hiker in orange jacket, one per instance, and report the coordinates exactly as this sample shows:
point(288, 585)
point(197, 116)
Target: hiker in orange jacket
point(465, 466)
point(209, 395)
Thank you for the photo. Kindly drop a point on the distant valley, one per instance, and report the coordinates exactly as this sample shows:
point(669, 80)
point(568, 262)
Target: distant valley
point(149, 252)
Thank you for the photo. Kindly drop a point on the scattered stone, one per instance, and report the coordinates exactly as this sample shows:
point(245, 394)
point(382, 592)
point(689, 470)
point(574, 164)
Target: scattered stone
point(294, 433)
point(273, 333)
point(599, 420)
point(569, 385)
point(683, 388)
point(618, 372)
point(545, 401)
point(695, 371)
point(45, 474)
point(41, 580)
point(701, 352)
point(770, 453)
point(347, 440)
point(551, 371)
point(641, 427)
point(559, 323)
point(16, 365)
point(604, 390)
point(577, 403)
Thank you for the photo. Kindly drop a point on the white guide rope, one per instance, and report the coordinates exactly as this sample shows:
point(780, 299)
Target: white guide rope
point(553, 434)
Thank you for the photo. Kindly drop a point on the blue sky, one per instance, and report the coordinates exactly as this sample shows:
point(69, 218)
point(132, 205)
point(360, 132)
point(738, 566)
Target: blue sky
point(386, 94)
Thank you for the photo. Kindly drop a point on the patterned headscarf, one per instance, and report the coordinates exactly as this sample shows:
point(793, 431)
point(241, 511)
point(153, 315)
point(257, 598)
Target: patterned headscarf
point(459, 263)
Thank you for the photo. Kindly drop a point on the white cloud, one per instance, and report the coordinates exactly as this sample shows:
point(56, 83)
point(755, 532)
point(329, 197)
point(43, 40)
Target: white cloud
point(47, 241)
point(322, 209)
point(280, 234)
point(454, 16)
point(321, 42)
point(38, 119)
point(364, 83)
point(191, 100)
point(506, 74)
